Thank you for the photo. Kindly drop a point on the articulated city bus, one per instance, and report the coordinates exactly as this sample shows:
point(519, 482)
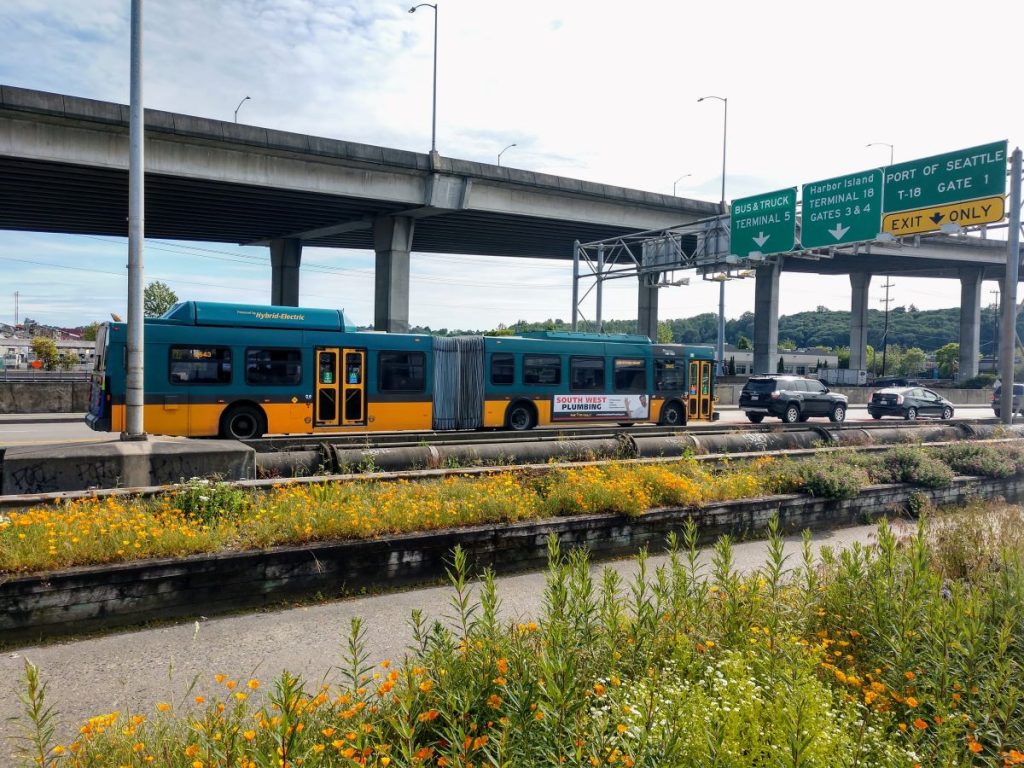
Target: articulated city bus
point(240, 371)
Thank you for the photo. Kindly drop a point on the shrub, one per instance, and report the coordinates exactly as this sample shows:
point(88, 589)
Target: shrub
point(981, 381)
point(207, 501)
point(978, 459)
point(910, 464)
point(831, 478)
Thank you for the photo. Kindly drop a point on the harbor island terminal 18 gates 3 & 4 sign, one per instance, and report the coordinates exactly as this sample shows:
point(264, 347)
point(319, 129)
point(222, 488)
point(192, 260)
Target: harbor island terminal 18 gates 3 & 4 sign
point(963, 188)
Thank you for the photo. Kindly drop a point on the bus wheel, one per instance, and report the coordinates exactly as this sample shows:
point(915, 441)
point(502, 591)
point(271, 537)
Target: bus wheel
point(521, 417)
point(672, 415)
point(242, 422)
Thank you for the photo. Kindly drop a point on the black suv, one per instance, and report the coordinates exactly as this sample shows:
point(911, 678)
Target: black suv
point(790, 398)
point(1018, 392)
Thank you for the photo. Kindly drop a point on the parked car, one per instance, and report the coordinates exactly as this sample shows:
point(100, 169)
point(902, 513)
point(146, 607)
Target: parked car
point(909, 403)
point(895, 381)
point(790, 398)
point(1018, 392)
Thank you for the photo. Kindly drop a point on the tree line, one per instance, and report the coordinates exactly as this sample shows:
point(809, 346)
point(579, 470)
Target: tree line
point(908, 327)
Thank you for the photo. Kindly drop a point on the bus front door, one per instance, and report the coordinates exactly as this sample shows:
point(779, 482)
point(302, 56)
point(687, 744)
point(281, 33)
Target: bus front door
point(699, 388)
point(353, 388)
point(327, 412)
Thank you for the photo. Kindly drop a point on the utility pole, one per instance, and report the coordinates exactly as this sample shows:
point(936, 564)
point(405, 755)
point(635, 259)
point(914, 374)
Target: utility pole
point(16, 295)
point(885, 328)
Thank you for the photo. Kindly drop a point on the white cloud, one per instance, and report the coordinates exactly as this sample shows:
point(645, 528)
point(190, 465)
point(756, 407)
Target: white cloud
point(587, 88)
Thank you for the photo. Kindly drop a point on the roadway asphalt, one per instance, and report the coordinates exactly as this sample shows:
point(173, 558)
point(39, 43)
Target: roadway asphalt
point(132, 671)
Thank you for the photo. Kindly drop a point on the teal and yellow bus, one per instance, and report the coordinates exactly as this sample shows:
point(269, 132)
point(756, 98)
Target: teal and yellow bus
point(240, 371)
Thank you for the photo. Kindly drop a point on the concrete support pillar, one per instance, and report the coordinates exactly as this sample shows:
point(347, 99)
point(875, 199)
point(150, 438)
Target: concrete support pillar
point(285, 257)
point(647, 311)
point(970, 321)
point(766, 319)
point(860, 282)
point(392, 240)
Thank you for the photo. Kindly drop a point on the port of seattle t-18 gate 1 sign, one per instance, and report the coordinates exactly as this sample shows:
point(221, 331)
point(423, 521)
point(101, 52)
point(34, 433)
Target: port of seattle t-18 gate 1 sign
point(963, 188)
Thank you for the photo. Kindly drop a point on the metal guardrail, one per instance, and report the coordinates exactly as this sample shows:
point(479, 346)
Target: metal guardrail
point(22, 374)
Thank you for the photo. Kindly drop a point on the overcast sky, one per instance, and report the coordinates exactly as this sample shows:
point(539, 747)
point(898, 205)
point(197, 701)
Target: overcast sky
point(592, 89)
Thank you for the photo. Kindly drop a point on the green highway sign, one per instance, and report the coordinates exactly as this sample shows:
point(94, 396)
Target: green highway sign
point(967, 174)
point(764, 224)
point(845, 209)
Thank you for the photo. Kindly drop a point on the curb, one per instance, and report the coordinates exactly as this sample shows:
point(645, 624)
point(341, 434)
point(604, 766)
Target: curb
point(41, 418)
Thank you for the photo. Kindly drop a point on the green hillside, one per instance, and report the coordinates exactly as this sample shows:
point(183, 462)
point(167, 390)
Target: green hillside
point(908, 327)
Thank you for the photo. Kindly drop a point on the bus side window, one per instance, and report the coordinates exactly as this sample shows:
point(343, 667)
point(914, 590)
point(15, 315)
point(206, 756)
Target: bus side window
point(542, 369)
point(502, 368)
point(401, 371)
point(630, 374)
point(353, 369)
point(586, 373)
point(668, 376)
point(326, 368)
point(200, 365)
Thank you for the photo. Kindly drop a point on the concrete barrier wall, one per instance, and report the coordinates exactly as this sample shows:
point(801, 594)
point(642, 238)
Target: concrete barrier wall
point(44, 396)
point(729, 394)
point(81, 599)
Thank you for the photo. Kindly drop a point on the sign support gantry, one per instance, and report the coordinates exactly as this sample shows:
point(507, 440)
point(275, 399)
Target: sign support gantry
point(652, 257)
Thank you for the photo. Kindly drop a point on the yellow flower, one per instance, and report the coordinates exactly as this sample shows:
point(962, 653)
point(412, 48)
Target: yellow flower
point(253, 684)
point(249, 735)
point(163, 706)
point(191, 750)
point(426, 686)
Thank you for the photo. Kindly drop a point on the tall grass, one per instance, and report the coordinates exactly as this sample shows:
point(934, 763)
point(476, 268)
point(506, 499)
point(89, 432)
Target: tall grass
point(868, 657)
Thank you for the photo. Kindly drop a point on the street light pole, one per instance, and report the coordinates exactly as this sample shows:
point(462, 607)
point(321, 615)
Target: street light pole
point(720, 354)
point(684, 176)
point(506, 149)
point(883, 144)
point(433, 121)
point(134, 427)
point(240, 106)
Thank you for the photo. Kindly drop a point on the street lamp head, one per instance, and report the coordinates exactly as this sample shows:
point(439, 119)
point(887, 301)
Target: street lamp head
point(240, 106)
point(428, 5)
point(504, 151)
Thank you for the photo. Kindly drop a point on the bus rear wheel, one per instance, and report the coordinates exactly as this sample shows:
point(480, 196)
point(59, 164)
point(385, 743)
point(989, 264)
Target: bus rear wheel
point(242, 422)
point(521, 417)
point(672, 415)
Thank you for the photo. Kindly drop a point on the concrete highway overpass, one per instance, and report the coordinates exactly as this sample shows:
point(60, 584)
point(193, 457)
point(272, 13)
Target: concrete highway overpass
point(64, 169)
